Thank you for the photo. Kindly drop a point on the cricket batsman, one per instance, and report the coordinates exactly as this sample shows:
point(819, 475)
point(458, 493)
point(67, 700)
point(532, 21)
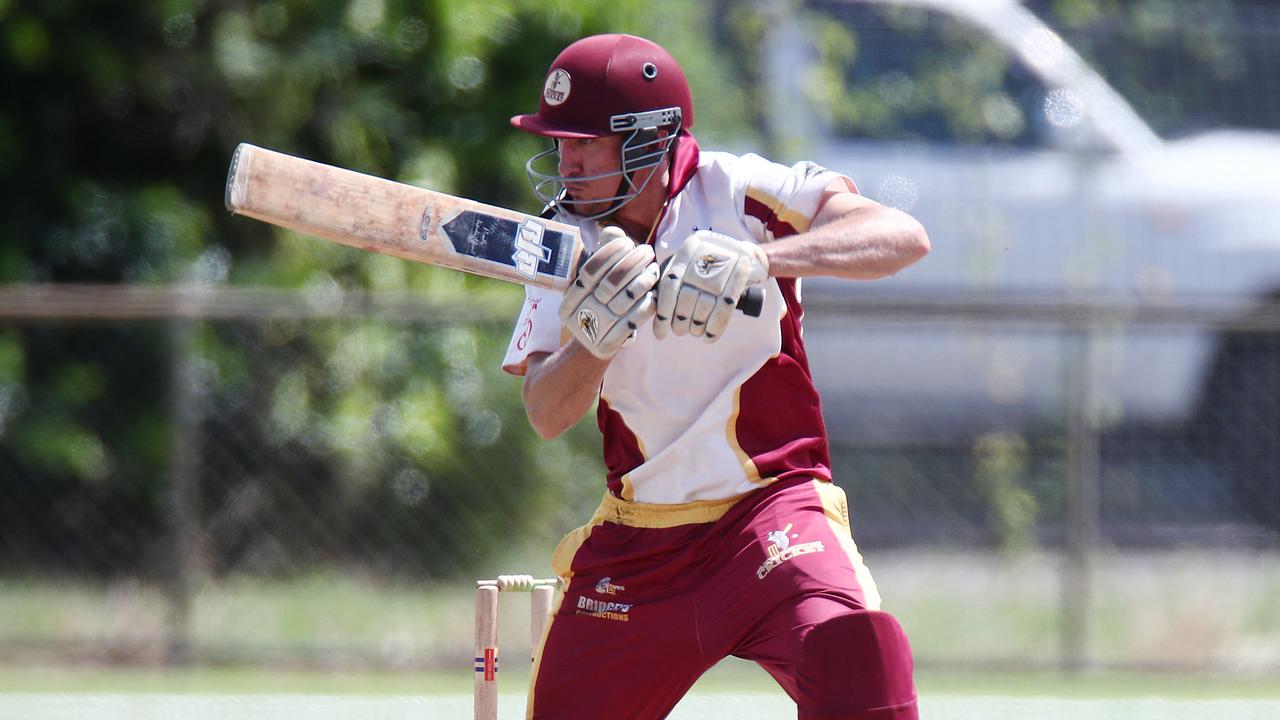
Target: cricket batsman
point(720, 531)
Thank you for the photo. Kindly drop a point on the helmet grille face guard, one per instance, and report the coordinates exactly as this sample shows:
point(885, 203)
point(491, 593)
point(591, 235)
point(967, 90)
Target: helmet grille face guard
point(602, 86)
point(642, 149)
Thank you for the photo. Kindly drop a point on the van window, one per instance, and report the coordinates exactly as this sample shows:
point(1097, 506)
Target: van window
point(898, 73)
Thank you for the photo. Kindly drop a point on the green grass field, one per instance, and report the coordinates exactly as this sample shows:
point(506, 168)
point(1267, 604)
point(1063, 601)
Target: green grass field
point(67, 646)
point(733, 690)
point(1174, 610)
point(729, 678)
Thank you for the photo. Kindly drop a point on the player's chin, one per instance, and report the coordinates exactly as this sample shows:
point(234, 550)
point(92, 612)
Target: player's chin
point(587, 208)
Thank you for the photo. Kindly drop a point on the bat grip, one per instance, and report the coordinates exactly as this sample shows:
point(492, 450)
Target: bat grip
point(752, 301)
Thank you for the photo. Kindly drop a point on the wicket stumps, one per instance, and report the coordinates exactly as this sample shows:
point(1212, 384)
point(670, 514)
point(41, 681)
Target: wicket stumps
point(486, 647)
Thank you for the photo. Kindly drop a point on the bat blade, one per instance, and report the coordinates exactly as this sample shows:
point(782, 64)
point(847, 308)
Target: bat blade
point(383, 216)
point(405, 221)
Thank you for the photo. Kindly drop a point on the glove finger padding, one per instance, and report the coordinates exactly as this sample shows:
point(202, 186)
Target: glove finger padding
point(614, 247)
point(641, 284)
point(612, 294)
point(685, 303)
point(618, 279)
point(724, 305)
point(625, 329)
point(702, 308)
point(668, 292)
point(700, 287)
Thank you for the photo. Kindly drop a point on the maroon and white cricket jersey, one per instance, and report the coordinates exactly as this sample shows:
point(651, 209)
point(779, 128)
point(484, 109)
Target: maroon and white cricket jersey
point(685, 420)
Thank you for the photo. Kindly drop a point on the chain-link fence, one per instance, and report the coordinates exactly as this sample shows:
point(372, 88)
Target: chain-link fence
point(259, 475)
point(1060, 433)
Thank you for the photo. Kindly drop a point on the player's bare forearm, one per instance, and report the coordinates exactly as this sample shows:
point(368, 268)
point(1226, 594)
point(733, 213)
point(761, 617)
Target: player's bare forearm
point(560, 387)
point(851, 237)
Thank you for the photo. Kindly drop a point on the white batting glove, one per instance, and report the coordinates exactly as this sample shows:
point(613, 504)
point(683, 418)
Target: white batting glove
point(612, 295)
point(701, 284)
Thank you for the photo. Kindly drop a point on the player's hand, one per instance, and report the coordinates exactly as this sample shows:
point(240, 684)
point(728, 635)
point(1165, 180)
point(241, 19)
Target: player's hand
point(702, 282)
point(612, 295)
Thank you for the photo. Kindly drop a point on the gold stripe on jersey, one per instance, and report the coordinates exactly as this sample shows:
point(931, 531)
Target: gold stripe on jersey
point(628, 489)
point(749, 468)
point(794, 218)
point(731, 436)
point(836, 507)
point(661, 515)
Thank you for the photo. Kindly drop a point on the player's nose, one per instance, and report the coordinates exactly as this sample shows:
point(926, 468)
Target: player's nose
point(570, 160)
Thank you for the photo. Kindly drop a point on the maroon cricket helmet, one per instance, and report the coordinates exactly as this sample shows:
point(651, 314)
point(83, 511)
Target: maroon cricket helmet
point(599, 81)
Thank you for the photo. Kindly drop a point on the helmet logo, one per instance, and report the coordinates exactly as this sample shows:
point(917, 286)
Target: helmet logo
point(556, 90)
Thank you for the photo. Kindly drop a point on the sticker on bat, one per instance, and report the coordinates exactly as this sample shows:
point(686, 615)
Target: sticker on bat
point(529, 248)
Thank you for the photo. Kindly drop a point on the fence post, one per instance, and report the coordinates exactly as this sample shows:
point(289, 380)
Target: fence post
point(184, 500)
point(1083, 497)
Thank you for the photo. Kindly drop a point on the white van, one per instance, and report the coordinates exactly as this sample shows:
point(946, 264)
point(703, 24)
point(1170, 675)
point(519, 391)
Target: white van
point(1040, 187)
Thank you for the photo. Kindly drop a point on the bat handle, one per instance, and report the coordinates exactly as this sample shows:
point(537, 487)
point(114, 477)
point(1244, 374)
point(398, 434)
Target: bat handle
point(752, 301)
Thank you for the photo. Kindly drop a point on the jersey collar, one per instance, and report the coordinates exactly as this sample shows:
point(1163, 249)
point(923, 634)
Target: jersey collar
point(684, 163)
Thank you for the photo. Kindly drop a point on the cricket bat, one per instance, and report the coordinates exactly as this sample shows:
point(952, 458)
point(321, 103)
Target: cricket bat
point(409, 222)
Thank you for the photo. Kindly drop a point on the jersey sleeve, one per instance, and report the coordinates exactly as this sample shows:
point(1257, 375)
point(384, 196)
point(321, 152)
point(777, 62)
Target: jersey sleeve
point(537, 330)
point(781, 200)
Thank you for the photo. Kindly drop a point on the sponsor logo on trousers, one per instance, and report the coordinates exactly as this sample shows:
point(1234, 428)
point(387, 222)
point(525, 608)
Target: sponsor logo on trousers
point(606, 587)
point(777, 557)
point(606, 610)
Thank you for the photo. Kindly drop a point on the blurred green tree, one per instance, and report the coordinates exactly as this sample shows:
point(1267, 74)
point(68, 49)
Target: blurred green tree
point(117, 121)
point(116, 127)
